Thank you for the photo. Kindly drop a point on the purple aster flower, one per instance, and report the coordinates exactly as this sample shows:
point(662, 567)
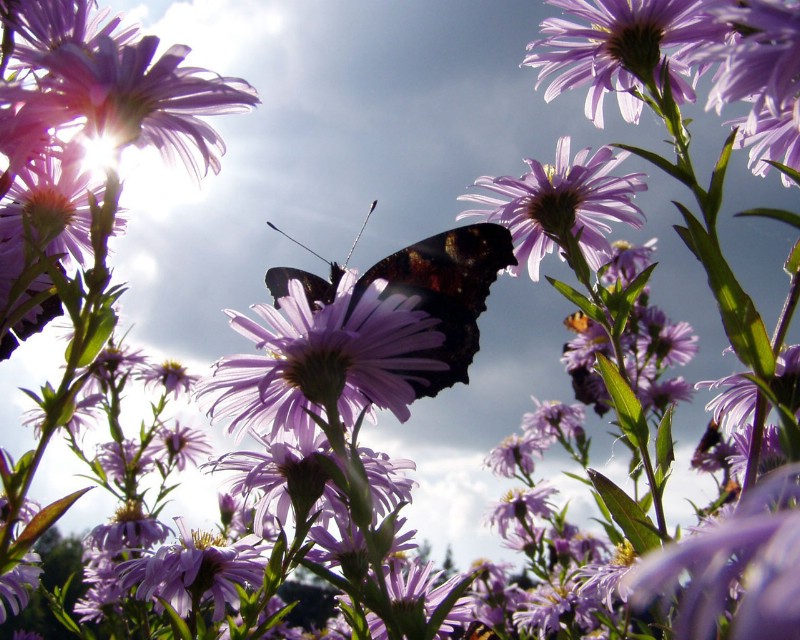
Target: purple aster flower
point(412, 590)
point(623, 44)
point(669, 343)
point(286, 476)
point(516, 452)
point(527, 540)
point(753, 555)
point(355, 358)
point(42, 26)
point(762, 63)
point(772, 138)
point(51, 196)
point(183, 444)
point(549, 202)
point(661, 394)
point(112, 363)
point(522, 505)
point(346, 546)
point(105, 595)
point(85, 416)
point(235, 517)
point(553, 419)
point(130, 529)
point(16, 585)
point(603, 579)
point(772, 456)
point(199, 568)
point(171, 375)
point(541, 612)
point(734, 407)
point(627, 261)
point(119, 460)
point(129, 100)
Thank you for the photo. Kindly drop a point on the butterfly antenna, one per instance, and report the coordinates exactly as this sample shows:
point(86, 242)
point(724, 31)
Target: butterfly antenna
point(311, 251)
point(363, 226)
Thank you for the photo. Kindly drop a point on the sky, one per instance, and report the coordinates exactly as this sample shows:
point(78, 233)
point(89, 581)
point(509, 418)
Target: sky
point(407, 103)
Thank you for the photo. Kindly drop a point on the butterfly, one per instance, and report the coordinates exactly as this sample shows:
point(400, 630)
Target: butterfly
point(451, 272)
point(578, 322)
point(479, 631)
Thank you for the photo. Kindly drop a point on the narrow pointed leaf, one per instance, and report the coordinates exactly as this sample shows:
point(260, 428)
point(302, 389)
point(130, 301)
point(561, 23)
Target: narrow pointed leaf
point(743, 324)
point(45, 519)
point(440, 613)
point(781, 215)
point(662, 163)
point(627, 406)
point(97, 340)
point(630, 297)
point(786, 170)
point(578, 299)
point(179, 627)
point(665, 453)
point(715, 188)
point(625, 511)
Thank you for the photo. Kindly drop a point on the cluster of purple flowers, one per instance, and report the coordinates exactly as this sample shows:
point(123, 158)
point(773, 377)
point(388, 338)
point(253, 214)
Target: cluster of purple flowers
point(80, 75)
point(629, 48)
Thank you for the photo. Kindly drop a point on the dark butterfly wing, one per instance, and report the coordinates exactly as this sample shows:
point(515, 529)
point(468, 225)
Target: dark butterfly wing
point(317, 289)
point(451, 272)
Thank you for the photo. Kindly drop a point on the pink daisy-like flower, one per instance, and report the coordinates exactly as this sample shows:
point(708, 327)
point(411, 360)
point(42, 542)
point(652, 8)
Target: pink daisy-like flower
point(171, 375)
point(762, 62)
point(125, 97)
point(733, 408)
point(16, 585)
point(355, 357)
point(200, 567)
point(522, 504)
point(130, 529)
point(623, 42)
point(411, 584)
point(182, 445)
point(516, 451)
point(772, 138)
point(51, 196)
point(549, 202)
point(553, 418)
point(41, 26)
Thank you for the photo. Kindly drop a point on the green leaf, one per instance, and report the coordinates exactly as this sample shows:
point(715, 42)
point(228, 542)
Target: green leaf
point(715, 187)
point(179, 627)
point(786, 170)
point(625, 511)
point(43, 520)
point(627, 406)
point(99, 335)
point(578, 299)
point(629, 298)
point(665, 452)
point(274, 619)
point(662, 163)
point(781, 215)
point(683, 234)
point(792, 264)
point(742, 322)
point(440, 612)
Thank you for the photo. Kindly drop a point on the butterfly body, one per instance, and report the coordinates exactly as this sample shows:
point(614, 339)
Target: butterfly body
point(451, 273)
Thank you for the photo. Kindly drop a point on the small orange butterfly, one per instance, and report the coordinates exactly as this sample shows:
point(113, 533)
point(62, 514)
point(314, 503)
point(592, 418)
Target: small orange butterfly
point(578, 322)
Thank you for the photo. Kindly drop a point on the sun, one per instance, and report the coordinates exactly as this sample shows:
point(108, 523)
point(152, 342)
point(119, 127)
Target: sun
point(100, 154)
